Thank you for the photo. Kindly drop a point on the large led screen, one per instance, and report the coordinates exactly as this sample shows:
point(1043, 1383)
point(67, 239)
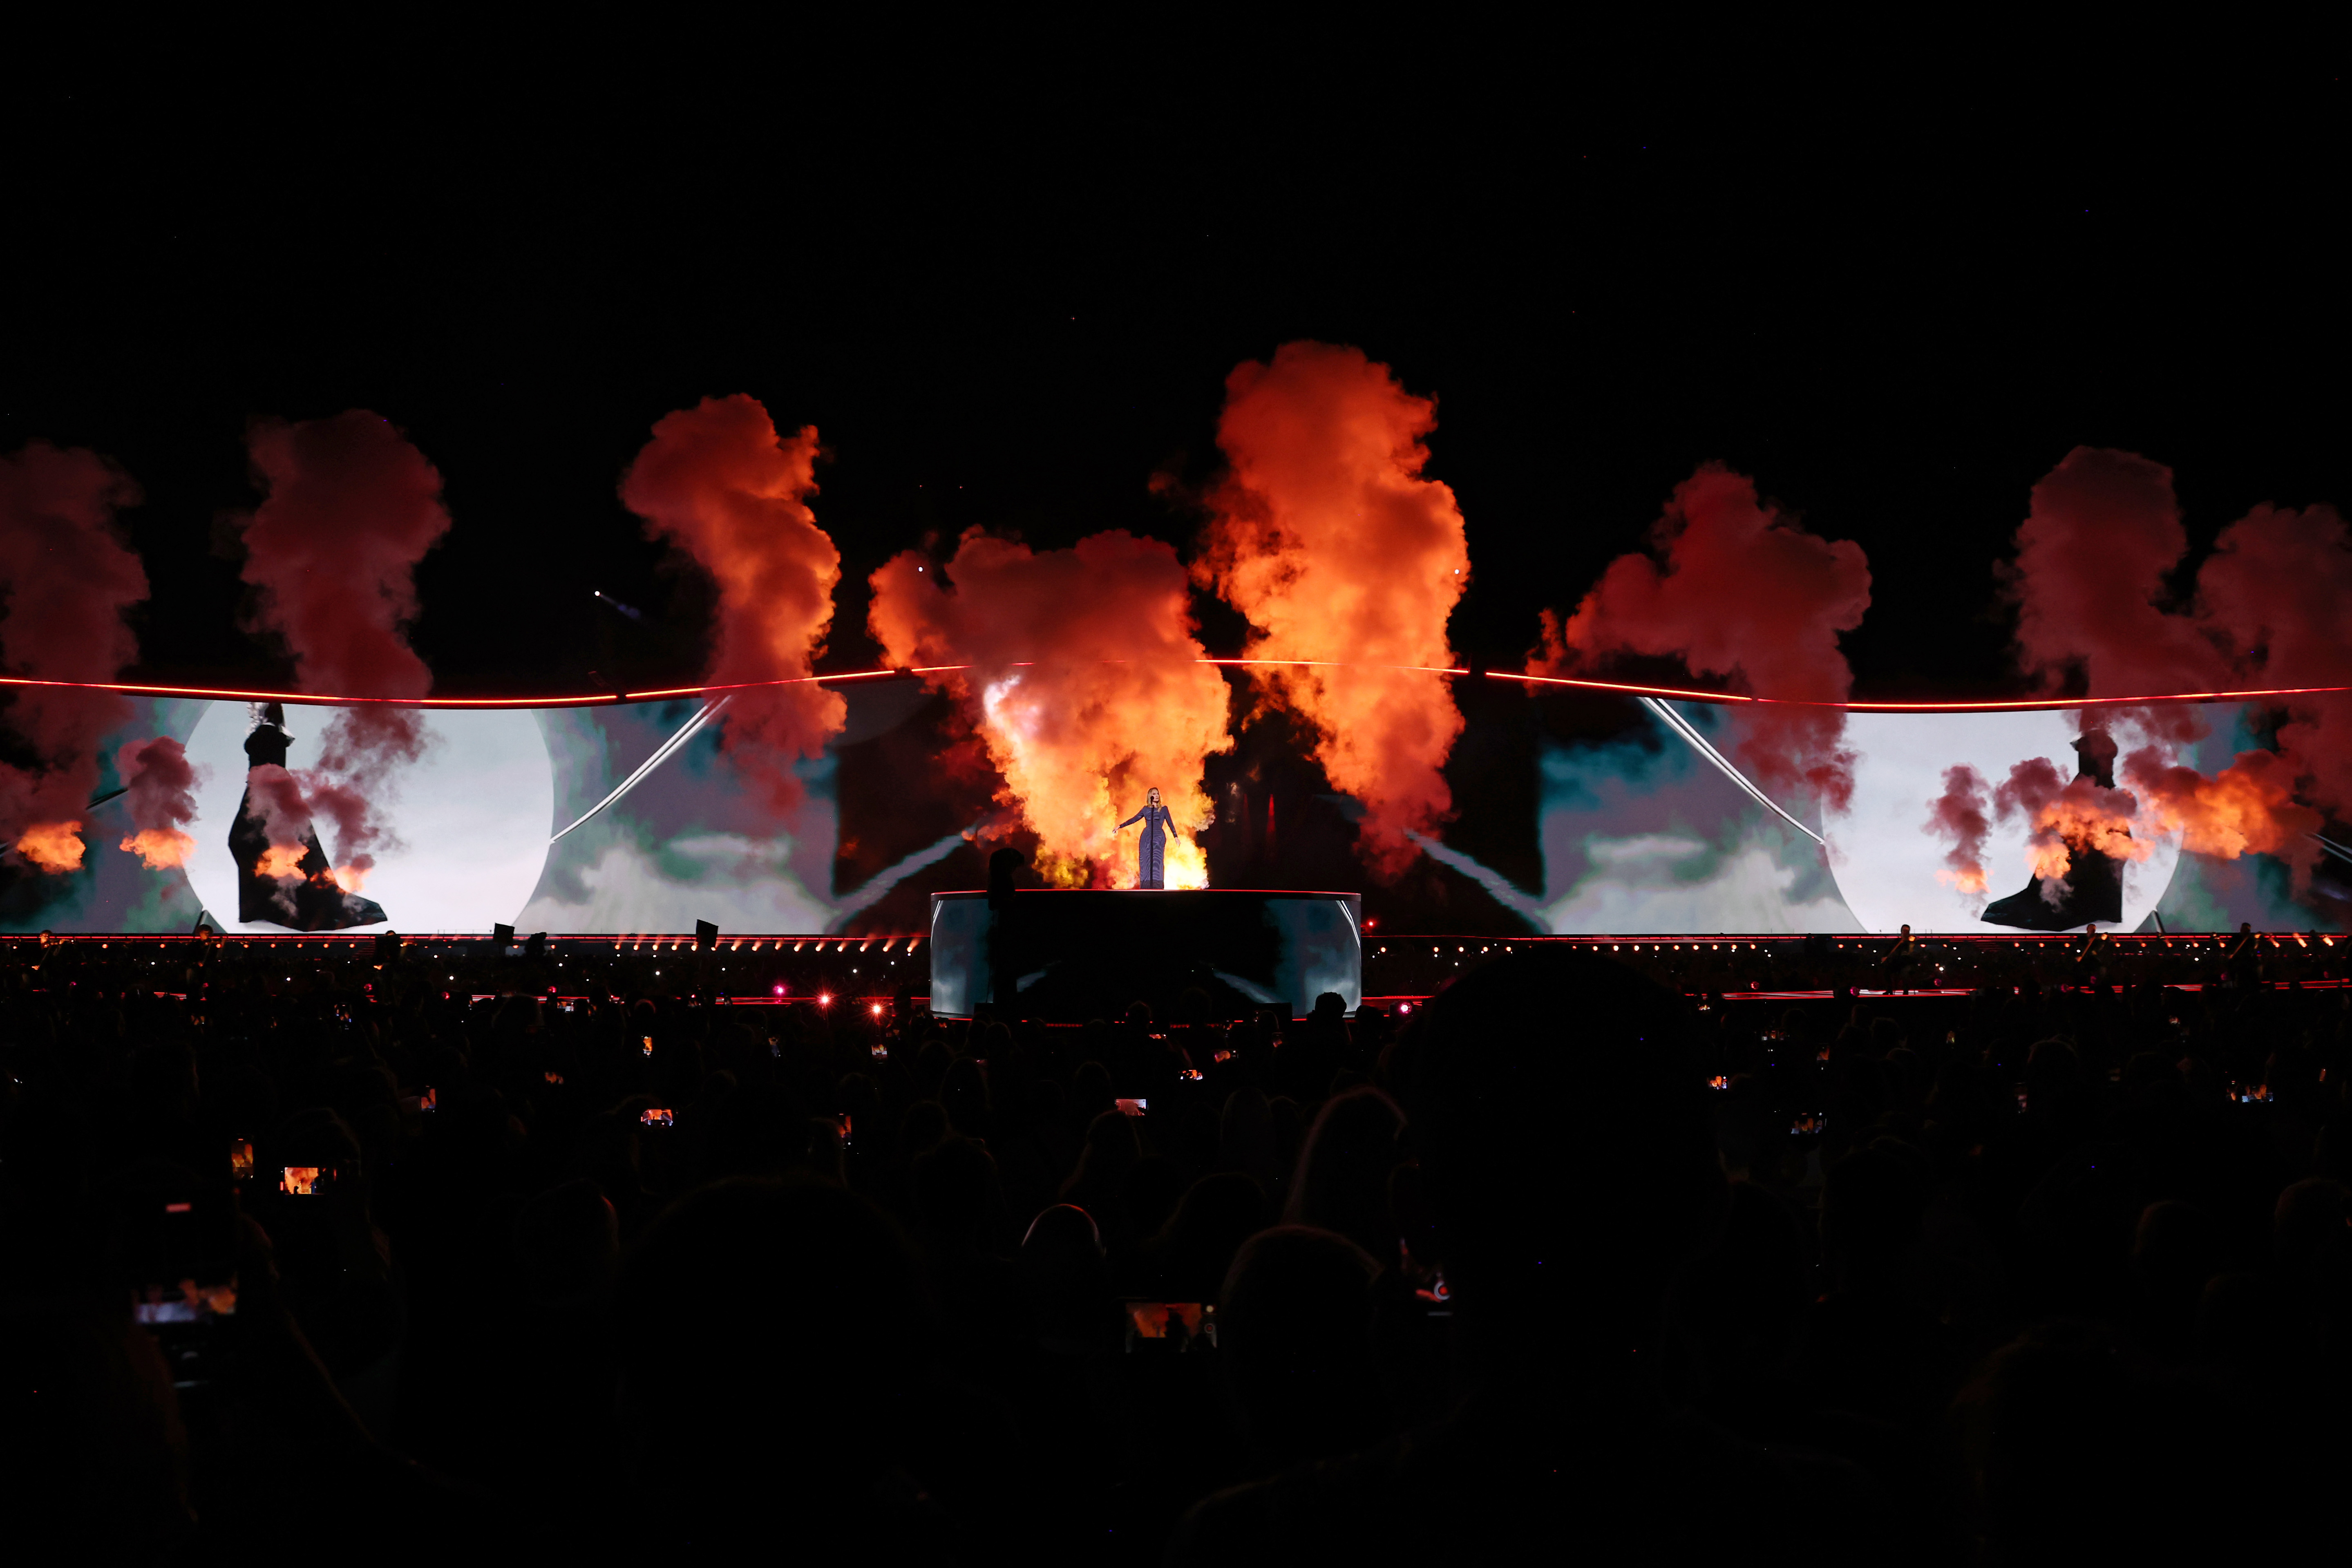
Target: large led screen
point(1589, 814)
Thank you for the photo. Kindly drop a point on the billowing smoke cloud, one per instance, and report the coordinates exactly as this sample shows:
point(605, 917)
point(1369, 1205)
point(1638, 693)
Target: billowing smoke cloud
point(161, 786)
point(718, 481)
point(351, 507)
point(1737, 590)
point(2267, 611)
point(2089, 579)
point(1086, 687)
point(1325, 535)
point(67, 576)
point(2067, 814)
point(2247, 805)
point(285, 809)
point(1958, 814)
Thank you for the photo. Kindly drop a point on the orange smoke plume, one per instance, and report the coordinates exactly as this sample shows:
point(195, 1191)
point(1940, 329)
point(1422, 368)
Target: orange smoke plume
point(2092, 555)
point(351, 507)
point(1736, 589)
point(1325, 535)
point(2247, 805)
point(719, 482)
point(66, 577)
point(1959, 814)
point(53, 846)
point(160, 849)
point(282, 861)
point(2095, 558)
point(1085, 687)
point(160, 785)
point(2066, 816)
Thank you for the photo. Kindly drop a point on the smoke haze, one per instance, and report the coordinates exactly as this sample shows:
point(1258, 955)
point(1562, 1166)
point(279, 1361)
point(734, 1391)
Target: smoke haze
point(161, 789)
point(1958, 814)
point(351, 507)
point(2095, 555)
point(1737, 590)
point(719, 482)
point(67, 577)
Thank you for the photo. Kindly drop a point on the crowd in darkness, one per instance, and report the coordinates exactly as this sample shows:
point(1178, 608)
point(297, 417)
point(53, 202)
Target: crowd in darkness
point(1564, 1262)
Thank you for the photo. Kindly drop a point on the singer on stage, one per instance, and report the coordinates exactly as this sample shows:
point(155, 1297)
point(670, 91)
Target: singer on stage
point(1157, 825)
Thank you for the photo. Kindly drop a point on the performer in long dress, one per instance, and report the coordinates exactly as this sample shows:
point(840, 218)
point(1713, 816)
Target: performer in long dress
point(1158, 824)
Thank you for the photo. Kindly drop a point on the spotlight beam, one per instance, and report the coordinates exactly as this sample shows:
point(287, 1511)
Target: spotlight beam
point(1688, 732)
point(662, 754)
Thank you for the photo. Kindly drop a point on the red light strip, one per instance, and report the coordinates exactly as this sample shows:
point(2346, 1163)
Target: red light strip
point(1618, 688)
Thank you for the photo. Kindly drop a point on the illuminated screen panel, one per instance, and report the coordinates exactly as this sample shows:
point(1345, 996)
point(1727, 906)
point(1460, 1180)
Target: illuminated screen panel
point(1574, 812)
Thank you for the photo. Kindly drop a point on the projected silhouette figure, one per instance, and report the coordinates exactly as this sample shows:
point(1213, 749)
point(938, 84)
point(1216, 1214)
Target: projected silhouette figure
point(1150, 855)
point(304, 895)
point(2094, 880)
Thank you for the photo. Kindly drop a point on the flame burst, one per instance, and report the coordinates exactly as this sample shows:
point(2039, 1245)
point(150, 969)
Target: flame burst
point(161, 786)
point(1086, 688)
point(160, 849)
point(53, 846)
point(2085, 819)
point(1325, 535)
point(282, 862)
point(2249, 806)
point(2068, 816)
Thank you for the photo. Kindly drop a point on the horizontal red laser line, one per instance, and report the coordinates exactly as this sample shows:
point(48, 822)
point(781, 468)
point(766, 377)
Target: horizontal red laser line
point(1618, 688)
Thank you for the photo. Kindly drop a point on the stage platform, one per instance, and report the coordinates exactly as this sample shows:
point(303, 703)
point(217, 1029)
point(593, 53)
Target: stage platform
point(1091, 953)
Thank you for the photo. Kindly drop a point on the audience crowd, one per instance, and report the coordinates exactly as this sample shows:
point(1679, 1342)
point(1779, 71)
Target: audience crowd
point(374, 1266)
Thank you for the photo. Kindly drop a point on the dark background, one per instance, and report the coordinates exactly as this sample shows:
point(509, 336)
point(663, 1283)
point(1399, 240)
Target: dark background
point(1007, 289)
point(1005, 274)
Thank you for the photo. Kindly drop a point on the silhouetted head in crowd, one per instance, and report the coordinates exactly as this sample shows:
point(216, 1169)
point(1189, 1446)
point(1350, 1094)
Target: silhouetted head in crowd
point(1294, 1332)
point(1065, 1286)
point(567, 1244)
point(1245, 1139)
point(1559, 1118)
point(964, 1095)
point(1217, 1215)
point(1111, 1152)
point(925, 1123)
point(955, 1191)
point(1872, 1203)
point(1091, 1093)
point(772, 1336)
point(1342, 1182)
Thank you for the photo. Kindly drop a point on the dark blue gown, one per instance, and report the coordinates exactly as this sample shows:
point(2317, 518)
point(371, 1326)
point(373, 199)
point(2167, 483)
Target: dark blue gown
point(1156, 820)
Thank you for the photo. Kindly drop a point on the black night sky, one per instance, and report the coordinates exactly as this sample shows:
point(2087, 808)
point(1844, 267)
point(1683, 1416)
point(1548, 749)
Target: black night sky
point(1008, 298)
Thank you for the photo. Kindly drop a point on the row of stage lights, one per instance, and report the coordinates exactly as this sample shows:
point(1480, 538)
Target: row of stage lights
point(2275, 939)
